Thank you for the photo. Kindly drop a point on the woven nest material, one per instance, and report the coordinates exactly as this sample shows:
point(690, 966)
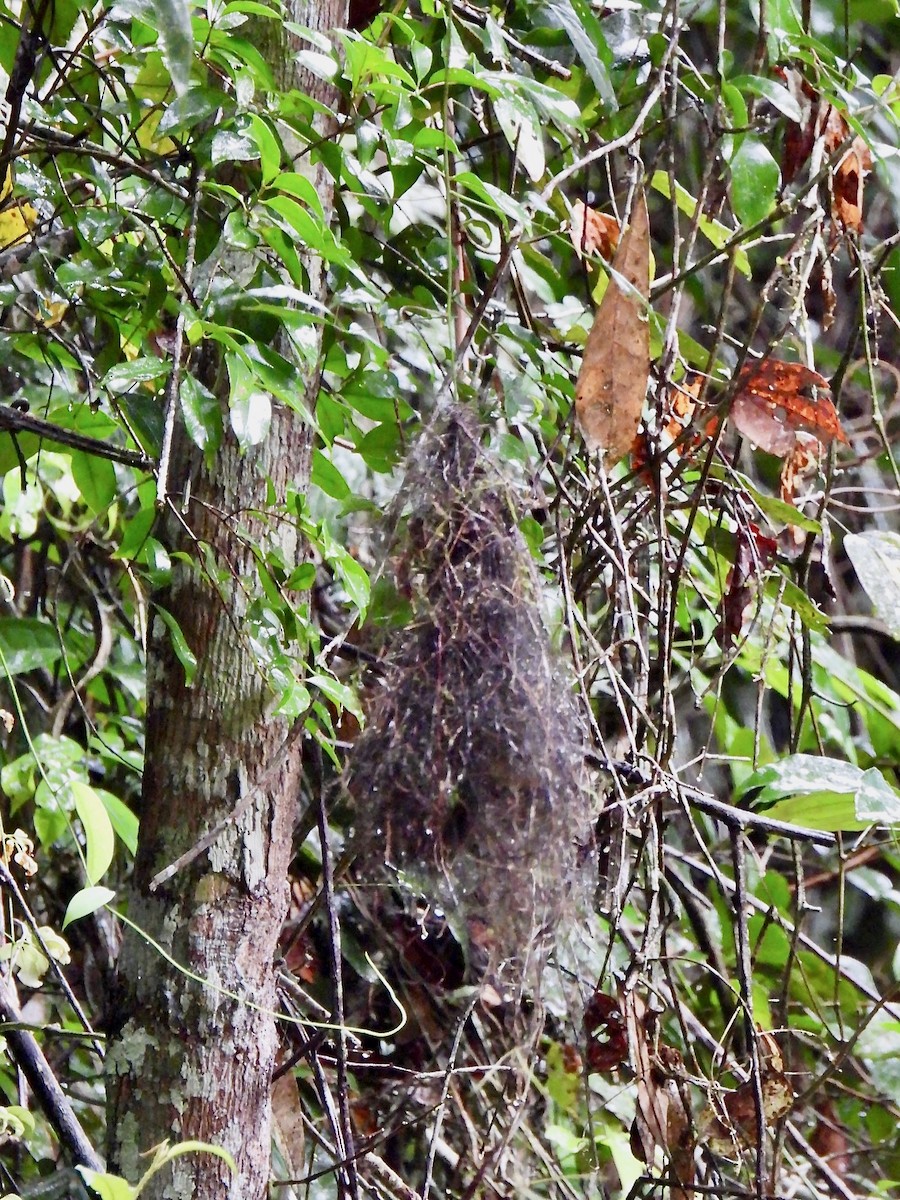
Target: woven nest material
point(469, 776)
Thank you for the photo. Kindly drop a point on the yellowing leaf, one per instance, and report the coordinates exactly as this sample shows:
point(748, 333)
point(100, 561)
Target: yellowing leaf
point(612, 382)
point(714, 231)
point(50, 311)
point(17, 217)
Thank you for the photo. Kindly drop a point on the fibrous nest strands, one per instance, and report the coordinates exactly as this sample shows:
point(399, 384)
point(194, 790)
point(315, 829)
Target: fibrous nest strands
point(469, 776)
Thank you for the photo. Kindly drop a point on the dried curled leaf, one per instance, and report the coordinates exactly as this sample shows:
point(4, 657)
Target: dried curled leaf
point(830, 1141)
point(753, 555)
point(679, 414)
point(730, 1120)
point(775, 399)
point(823, 123)
point(593, 232)
point(663, 1117)
point(612, 383)
point(607, 1038)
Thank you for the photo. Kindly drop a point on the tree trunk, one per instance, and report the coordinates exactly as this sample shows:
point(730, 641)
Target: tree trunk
point(192, 1060)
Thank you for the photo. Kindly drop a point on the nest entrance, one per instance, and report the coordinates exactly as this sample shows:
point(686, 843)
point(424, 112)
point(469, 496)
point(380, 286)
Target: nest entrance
point(469, 776)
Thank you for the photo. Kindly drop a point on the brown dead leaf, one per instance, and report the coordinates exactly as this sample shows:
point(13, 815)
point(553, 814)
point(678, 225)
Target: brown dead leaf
point(593, 232)
point(287, 1123)
point(801, 466)
point(847, 184)
point(604, 1027)
point(823, 122)
point(775, 399)
point(753, 554)
point(730, 1121)
point(662, 1118)
point(679, 413)
point(295, 945)
point(829, 1140)
point(612, 382)
point(682, 402)
point(799, 138)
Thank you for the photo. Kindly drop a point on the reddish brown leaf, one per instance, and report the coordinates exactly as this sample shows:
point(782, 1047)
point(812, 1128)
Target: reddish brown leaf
point(753, 553)
point(847, 185)
point(823, 121)
point(801, 465)
point(663, 1117)
point(680, 400)
point(730, 1121)
point(288, 1130)
point(774, 399)
point(830, 1141)
point(571, 1059)
point(593, 232)
point(612, 382)
point(799, 138)
point(604, 1026)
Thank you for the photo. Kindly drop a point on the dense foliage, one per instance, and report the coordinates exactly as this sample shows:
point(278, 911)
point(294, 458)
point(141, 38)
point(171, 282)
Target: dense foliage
point(703, 997)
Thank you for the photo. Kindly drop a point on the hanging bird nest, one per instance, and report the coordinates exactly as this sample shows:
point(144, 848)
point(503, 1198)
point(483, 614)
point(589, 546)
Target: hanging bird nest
point(469, 776)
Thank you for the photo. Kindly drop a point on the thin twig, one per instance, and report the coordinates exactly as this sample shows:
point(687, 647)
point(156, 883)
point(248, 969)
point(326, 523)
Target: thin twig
point(337, 986)
point(173, 386)
point(745, 980)
point(12, 420)
point(8, 881)
point(34, 1066)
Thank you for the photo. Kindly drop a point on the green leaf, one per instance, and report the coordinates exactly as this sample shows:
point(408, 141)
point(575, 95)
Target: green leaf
point(49, 824)
point(755, 178)
point(795, 598)
point(293, 701)
point(323, 66)
point(875, 555)
point(166, 1153)
point(522, 129)
point(98, 831)
point(202, 414)
point(196, 106)
point(775, 509)
point(250, 406)
point(107, 1187)
point(380, 447)
point(269, 148)
point(124, 376)
point(782, 18)
point(338, 693)
point(355, 580)
point(301, 187)
point(85, 902)
point(326, 476)
point(183, 652)
point(173, 20)
point(27, 644)
point(301, 578)
point(776, 93)
point(123, 820)
point(610, 1133)
point(714, 231)
point(311, 231)
point(96, 480)
point(823, 793)
point(229, 146)
point(586, 35)
point(563, 1084)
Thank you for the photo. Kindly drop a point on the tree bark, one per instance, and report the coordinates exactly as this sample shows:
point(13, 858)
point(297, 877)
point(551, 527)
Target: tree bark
point(190, 1059)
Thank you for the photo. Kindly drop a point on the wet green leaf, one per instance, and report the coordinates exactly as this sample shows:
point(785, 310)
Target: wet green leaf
point(755, 178)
